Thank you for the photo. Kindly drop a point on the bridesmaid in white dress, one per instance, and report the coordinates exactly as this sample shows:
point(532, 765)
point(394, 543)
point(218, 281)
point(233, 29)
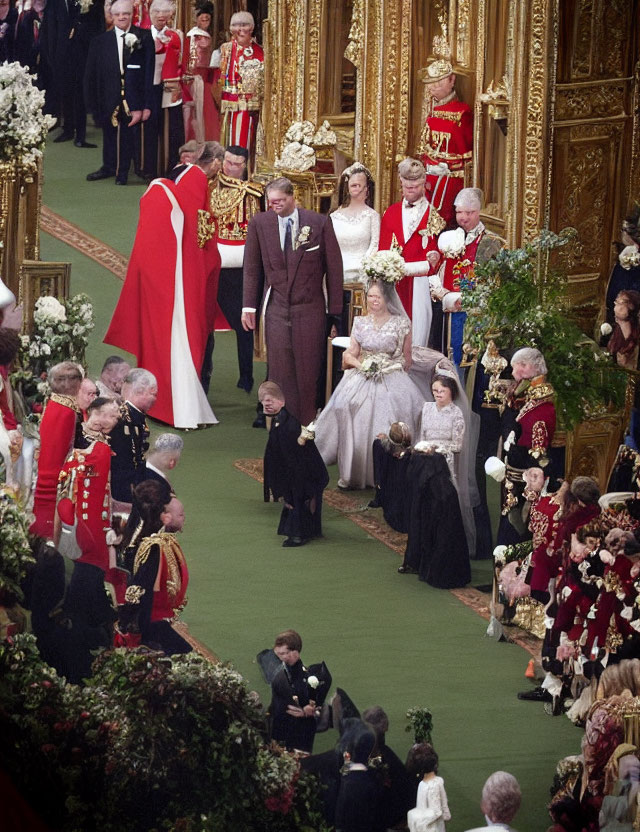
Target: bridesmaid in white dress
point(432, 809)
point(356, 224)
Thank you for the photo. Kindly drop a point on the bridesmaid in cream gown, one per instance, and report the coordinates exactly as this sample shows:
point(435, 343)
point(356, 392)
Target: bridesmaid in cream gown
point(356, 224)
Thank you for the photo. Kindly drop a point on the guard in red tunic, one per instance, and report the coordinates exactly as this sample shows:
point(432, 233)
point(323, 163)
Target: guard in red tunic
point(57, 431)
point(85, 486)
point(411, 228)
point(446, 144)
point(241, 62)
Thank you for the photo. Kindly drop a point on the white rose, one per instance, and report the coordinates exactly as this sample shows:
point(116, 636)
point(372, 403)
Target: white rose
point(130, 40)
point(498, 552)
point(313, 682)
point(606, 329)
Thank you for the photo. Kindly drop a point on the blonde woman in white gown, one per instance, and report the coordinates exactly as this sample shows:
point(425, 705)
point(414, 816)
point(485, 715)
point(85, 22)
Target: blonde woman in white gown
point(375, 390)
point(356, 224)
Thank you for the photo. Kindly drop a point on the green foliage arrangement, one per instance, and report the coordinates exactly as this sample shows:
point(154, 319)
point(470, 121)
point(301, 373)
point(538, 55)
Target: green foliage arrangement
point(421, 723)
point(151, 743)
point(15, 551)
point(520, 300)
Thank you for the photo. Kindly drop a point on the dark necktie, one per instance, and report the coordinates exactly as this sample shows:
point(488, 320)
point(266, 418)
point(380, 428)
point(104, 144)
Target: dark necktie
point(288, 241)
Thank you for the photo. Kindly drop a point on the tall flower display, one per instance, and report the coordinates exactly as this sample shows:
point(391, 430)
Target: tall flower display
point(23, 125)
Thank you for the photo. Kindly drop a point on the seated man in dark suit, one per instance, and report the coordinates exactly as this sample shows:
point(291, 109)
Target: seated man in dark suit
point(161, 459)
point(130, 437)
point(118, 87)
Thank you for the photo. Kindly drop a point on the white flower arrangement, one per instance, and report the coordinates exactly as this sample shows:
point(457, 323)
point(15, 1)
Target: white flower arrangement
point(303, 235)
point(388, 266)
point(324, 136)
point(629, 257)
point(313, 682)
point(606, 329)
point(296, 156)
point(301, 132)
point(499, 555)
point(452, 243)
point(85, 5)
point(370, 368)
point(23, 125)
point(61, 331)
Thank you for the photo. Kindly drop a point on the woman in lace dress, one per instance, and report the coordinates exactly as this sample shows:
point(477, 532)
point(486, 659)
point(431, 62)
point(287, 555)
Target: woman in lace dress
point(375, 389)
point(356, 224)
point(442, 422)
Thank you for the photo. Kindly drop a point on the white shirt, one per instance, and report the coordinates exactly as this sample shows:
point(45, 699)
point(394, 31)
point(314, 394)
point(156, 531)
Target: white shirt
point(411, 216)
point(120, 33)
point(152, 467)
point(474, 233)
point(282, 226)
point(160, 56)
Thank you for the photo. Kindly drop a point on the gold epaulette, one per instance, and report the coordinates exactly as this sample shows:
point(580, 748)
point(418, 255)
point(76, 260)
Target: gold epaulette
point(435, 223)
point(540, 392)
point(66, 401)
point(165, 540)
point(245, 185)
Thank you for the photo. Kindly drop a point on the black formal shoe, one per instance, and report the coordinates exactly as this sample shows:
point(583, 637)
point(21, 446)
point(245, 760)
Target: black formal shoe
point(84, 144)
point(245, 384)
point(555, 707)
point(374, 504)
point(101, 173)
point(293, 541)
point(407, 570)
point(120, 180)
point(535, 695)
point(63, 137)
point(260, 421)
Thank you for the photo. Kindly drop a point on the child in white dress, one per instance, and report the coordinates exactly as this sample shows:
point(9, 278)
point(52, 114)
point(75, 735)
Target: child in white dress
point(432, 809)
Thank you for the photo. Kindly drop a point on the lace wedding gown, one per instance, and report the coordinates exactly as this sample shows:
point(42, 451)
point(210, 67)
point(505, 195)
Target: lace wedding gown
point(361, 407)
point(358, 237)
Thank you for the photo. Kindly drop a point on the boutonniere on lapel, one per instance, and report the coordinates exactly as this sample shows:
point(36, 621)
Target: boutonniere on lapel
point(131, 41)
point(303, 236)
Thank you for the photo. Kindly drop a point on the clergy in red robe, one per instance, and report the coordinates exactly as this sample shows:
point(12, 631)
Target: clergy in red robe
point(411, 228)
point(446, 144)
point(161, 314)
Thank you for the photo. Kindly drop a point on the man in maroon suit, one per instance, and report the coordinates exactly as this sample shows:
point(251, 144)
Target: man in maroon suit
point(288, 252)
point(411, 227)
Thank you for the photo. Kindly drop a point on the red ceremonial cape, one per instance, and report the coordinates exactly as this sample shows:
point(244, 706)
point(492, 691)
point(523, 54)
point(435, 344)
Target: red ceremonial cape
point(142, 320)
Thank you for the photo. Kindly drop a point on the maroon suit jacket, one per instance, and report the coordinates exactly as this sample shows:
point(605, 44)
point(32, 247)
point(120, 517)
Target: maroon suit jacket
point(300, 280)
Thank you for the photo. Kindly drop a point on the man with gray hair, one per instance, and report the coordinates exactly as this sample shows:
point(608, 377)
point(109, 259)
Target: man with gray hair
point(118, 89)
point(411, 228)
point(130, 437)
point(528, 426)
point(461, 249)
point(161, 459)
point(163, 132)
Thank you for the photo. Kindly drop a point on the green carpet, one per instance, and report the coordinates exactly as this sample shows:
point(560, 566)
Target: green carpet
point(386, 638)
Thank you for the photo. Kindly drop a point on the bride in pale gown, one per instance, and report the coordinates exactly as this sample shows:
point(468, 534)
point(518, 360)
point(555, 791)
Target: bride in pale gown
point(356, 224)
point(375, 390)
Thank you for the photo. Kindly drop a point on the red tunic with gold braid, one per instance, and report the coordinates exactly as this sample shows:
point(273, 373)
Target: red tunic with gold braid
point(457, 268)
point(544, 523)
point(412, 250)
point(447, 137)
point(86, 499)
point(57, 431)
point(241, 69)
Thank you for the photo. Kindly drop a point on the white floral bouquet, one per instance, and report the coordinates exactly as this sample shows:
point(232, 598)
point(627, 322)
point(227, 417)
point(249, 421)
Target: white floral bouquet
point(299, 140)
point(23, 125)
point(61, 331)
point(384, 265)
point(371, 368)
point(452, 243)
point(85, 5)
point(629, 257)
